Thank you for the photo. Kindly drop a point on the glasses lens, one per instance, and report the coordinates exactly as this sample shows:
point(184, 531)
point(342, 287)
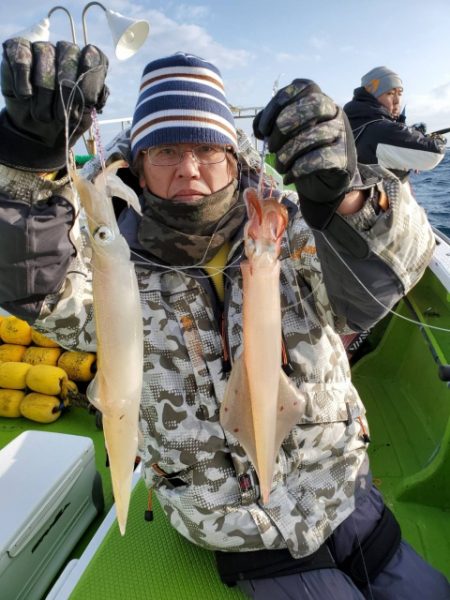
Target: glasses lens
point(208, 155)
point(166, 156)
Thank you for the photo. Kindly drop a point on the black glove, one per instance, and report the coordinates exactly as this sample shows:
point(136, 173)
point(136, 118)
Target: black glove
point(314, 147)
point(421, 127)
point(440, 140)
point(38, 84)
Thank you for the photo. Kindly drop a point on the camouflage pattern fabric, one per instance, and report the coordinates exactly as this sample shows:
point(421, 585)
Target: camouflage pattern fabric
point(408, 257)
point(28, 187)
point(203, 478)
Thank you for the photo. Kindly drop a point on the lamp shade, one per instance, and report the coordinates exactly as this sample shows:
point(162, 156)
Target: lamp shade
point(38, 33)
point(128, 34)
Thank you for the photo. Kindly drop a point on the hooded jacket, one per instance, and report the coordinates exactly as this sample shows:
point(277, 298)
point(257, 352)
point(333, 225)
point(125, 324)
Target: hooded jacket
point(380, 139)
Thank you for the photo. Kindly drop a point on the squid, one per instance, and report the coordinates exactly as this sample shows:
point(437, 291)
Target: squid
point(116, 388)
point(261, 405)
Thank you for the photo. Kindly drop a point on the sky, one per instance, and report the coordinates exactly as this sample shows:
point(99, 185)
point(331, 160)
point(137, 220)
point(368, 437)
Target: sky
point(257, 44)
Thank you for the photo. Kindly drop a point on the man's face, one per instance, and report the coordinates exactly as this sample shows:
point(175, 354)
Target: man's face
point(188, 180)
point(392, 100)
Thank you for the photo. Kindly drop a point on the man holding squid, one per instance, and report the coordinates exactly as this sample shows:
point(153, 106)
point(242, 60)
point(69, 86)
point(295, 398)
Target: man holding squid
point(320, 528)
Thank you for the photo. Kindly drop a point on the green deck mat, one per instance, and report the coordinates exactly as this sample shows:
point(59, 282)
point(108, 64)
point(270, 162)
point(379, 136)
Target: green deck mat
point(151, 562)
point(408, 409)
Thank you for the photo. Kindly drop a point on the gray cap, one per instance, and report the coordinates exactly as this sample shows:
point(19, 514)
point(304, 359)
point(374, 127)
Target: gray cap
point(380, 80)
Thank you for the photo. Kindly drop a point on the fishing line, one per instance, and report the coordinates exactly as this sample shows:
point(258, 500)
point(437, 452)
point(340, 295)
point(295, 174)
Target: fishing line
point(181, 269)
point(393, 312)
point(67, 108)
point(264, 146)
point(366, 573)
point(301, 298)
point(200, 264)
point(98, 139)
point(176, 268)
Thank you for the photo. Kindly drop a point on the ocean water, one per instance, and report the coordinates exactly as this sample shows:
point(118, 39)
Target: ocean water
point(432, 191)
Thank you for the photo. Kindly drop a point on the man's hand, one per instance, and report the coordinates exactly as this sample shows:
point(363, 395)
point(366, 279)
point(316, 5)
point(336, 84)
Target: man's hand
point(420, 127)
point(314, 147)
point(46, 89)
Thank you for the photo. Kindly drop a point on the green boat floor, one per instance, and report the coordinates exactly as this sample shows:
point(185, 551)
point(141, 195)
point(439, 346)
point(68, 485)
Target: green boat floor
point(408, 410)
point(151, 562)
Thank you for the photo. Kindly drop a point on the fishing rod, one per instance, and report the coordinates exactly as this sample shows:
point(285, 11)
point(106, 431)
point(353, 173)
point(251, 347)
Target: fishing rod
point(440, 131)
point(402, 119)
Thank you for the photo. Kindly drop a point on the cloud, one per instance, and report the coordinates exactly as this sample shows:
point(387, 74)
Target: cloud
point(168, 36)
point(190, 12)
point(283, 57)
point(317, 42)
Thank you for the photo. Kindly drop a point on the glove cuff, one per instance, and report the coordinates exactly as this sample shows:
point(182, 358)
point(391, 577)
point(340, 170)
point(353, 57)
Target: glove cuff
point(316, 214)
point(23, 152)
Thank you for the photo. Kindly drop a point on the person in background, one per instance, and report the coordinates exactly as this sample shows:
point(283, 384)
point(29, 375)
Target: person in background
point(325, 532)
point(380, 134)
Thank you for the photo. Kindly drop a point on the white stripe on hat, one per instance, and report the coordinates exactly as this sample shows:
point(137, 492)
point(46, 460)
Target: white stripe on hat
point(186, 124)
point(204, 77)
point(190, 94)
point(180, 112)
point(171, 121)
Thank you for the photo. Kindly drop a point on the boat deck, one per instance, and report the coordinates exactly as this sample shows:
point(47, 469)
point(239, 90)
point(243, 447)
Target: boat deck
point(408, 409)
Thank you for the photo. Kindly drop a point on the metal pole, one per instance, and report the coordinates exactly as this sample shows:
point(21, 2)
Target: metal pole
point(72, 26)
point(90, 142)
point(83, 17)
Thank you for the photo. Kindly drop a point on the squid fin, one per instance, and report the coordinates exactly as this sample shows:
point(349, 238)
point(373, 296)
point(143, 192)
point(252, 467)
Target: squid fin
point(237, 418)
point(236, 410)
point(94, 393)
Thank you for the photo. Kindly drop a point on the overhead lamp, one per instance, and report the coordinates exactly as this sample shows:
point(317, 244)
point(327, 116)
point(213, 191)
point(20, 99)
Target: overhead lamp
point(37, 33)
point(128, 34)
point(41, 31)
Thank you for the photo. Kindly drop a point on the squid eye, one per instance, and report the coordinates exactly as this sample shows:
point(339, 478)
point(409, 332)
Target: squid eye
point(103, 235)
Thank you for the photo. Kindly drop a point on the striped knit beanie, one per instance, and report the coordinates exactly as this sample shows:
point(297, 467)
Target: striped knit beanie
point(181, 100)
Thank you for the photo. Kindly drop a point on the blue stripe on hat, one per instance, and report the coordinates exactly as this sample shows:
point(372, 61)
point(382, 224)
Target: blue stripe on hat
point(179, 102)
point(171, 85)
point(180, 59)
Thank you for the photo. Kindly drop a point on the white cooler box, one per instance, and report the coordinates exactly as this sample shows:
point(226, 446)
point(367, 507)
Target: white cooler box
point(49, 493)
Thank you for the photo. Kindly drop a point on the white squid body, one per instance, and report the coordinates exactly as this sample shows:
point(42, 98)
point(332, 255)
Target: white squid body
point(261, 405)
point(116, 389)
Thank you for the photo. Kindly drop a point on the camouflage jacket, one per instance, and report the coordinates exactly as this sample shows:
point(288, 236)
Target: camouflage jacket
point(203, 478)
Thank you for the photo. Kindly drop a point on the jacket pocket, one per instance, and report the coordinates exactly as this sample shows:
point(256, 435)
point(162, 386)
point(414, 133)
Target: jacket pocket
point(329, 402)
point(331, 427)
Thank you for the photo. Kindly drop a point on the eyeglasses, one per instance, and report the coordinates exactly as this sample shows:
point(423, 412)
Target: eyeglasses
point(168, 156)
